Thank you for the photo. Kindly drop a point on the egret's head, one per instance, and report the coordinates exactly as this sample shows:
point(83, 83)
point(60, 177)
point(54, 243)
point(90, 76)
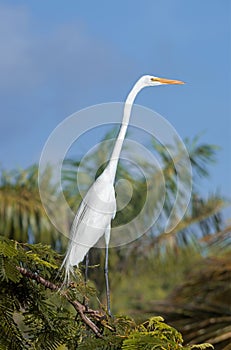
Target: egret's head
point(149, 80)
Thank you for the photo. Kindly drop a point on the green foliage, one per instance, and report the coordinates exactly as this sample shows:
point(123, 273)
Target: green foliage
point(110, 343)
point(202, 218)
point(30, 317)
point(35, 313)
point(201, 346)
point(200, 306)
point(8, 261)
point(10, 335)
point(22, 216)
point(155, 334)
point(203, 214)
point(35, 317)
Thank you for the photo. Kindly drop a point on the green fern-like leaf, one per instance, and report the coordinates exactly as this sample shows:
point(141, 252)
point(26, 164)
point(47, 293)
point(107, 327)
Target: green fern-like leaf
point(7, 248)
point(155, 334)
point(108, 343)
point(10, 334)
point(202, 346)
point(40, 261)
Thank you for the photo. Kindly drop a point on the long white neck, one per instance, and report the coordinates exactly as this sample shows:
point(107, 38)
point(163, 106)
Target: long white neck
point(112, 165)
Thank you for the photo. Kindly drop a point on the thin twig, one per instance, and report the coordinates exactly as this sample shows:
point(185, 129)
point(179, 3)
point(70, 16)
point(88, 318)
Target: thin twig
point(80, 308)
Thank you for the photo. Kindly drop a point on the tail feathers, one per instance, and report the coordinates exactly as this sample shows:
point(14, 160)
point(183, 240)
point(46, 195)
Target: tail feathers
point(75, 254)
point(69, 272)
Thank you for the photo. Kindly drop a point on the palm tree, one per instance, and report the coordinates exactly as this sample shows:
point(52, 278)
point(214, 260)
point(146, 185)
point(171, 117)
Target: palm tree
point(22, 216)
point(203, 216)
point(200, 307)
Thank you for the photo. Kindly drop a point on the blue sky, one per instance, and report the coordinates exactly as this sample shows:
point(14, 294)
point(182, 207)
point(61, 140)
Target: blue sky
point(58, 57)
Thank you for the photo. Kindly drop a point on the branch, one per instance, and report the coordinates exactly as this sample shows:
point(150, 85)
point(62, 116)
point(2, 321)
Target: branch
point(80, 308)
point(37, 278)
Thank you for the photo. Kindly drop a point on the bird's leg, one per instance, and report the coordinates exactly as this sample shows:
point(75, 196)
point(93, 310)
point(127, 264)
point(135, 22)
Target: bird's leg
point(107, 282)
point(85, 301)
point(86, 268)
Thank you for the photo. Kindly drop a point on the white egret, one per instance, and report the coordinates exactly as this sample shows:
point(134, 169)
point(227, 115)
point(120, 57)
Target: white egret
point(98, 208)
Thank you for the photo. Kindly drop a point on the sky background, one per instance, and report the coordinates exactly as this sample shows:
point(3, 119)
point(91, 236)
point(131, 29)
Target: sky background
point(59, 57)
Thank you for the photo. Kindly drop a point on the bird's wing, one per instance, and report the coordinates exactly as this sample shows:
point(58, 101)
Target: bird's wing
point(91, 221)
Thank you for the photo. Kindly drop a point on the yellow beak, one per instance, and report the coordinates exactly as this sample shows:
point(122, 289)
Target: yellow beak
point(167, 81)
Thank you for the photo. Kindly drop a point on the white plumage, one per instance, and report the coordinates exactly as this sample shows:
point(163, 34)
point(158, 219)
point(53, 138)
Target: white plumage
point(92, 220)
